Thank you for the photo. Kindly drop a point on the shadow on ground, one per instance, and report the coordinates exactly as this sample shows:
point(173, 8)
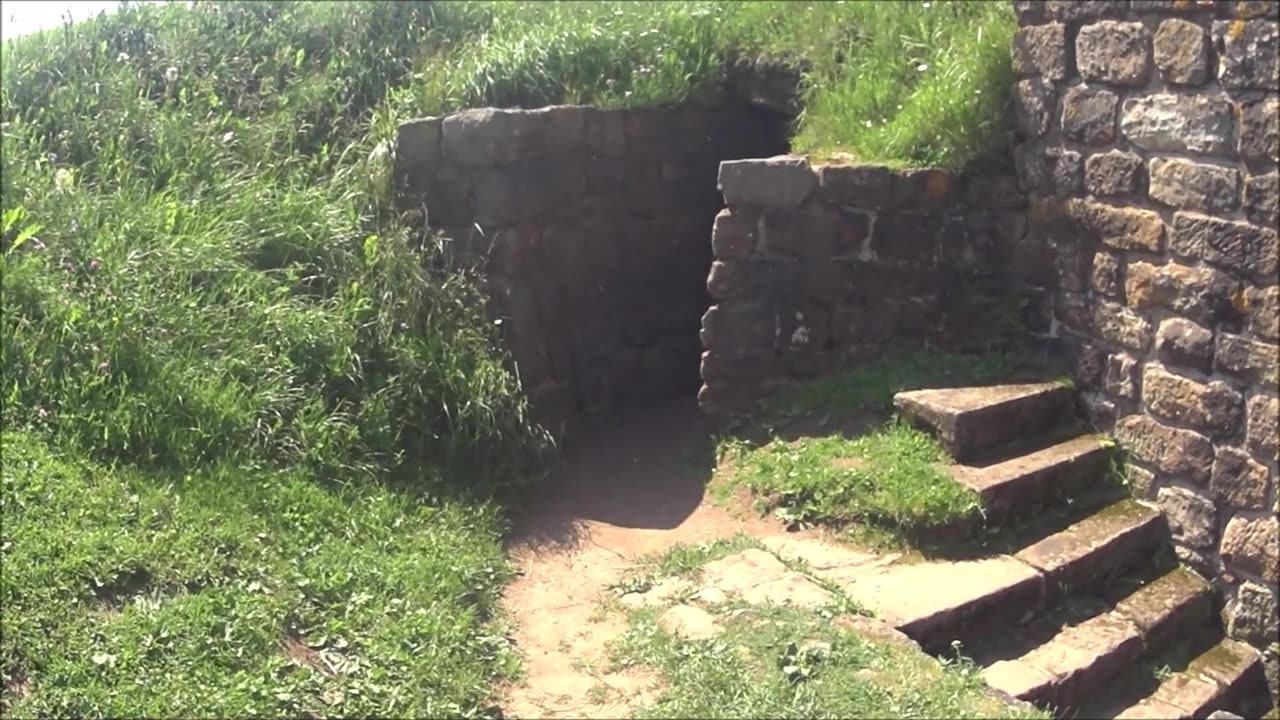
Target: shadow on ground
point(643, 468)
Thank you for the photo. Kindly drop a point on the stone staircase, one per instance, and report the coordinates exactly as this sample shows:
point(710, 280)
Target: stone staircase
point(1081, 605)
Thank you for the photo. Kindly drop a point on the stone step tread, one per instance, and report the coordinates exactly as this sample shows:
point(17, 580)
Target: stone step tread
point(1221, 678)
point(931, 602)
point(1112, 539)
point(1078, 659)
point(1020, 483)
point(972, 420)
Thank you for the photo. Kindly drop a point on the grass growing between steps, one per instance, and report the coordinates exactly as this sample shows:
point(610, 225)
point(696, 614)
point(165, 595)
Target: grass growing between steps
point(831, 452)
point(788, 662)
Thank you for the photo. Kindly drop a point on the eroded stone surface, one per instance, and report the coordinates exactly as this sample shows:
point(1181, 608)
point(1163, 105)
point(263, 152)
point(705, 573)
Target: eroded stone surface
point(1089, 548)
point(760, 578)
point(690, 622)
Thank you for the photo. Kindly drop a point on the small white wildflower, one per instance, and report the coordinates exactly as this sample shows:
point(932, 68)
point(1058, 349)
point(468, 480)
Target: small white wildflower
point(626, 94)
point(228, 136)
point(171, 75)
point(925, 5)
point(867, 123)
point(122, 57)
point(922, 67)
point(899, 106)
point(63, 180)
point(53, 158)
point(610, 83)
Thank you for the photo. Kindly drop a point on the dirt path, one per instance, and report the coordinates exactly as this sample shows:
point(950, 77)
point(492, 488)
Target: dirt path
point(633, 487)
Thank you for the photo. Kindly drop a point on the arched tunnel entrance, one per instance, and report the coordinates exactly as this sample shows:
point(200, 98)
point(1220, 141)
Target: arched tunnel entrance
point(594, 227)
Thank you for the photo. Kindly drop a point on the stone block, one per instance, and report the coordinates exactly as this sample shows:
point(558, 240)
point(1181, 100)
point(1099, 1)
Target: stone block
point(1192, 518)
point(1190, 185)
point(906, 237)
point(1041, 50)
point(733, 234)
point(1248, 359)
point(758, 279)
point(1089, 115)
point(417, 153)
point(778, 182)
point(1234, 246)
point(1252, 615)
point(1123, 228)
point(1250, 545)
point(1113, 173)
point(1263, 427)
point(1167, 449)
point(986, 192)
point(1106, 278)
point(859, 186)
point(1141, 480)
point(1262, 199)
point(1190, 123)
point(605, 132)
point(1239, 481)
point(1113, 52)
point(1263, 308)
point(810, 233)
point(489, 137)
point(1201, 293)
point(1181, 50)
point(1120, 325)
point(1213, 408)
point(1259, 119)
point(1067, 10)
point(1048, 169)
point(1247, 54)
point(1182, 342)
point(1122, 376)
point(1033, 100)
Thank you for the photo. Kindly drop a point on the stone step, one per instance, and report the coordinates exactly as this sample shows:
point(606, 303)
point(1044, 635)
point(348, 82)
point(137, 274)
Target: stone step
point(1116, 538)
point(1228, 676)
point(1072, 663)
point(969, 421)
point(1013, 489)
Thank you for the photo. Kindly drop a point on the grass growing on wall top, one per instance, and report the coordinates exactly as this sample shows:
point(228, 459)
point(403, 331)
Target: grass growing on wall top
point(922, 83)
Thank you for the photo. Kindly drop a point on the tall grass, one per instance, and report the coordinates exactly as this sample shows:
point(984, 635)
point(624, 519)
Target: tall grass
point(894, 82)
point(215, 276)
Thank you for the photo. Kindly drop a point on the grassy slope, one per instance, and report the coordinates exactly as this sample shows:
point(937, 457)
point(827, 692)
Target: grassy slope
point(894, 82)
point(243, 403)
point(239, 397)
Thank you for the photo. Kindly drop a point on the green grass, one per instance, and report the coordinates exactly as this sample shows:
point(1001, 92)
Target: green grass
point(889, 477)
point(920, 83)
point(130, 595)
point(776, 661)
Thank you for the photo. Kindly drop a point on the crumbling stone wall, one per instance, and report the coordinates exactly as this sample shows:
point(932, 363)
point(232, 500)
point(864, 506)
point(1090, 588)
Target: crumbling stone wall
point(819, 267)
point(592, 226)
point(1150, 159)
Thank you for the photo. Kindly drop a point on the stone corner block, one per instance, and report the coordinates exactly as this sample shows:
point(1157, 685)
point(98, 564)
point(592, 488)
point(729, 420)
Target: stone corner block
point(778, 182)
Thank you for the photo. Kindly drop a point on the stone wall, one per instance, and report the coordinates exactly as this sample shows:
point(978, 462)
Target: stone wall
point(1150, 160)
point(823, 267)
point(592, 226)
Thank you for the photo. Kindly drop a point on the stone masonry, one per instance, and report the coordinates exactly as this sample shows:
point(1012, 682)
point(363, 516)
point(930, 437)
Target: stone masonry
point(1150, 140)
point(819, 267)
point(590, 227)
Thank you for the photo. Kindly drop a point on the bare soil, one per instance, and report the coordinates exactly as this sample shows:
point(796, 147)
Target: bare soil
point(634, 486)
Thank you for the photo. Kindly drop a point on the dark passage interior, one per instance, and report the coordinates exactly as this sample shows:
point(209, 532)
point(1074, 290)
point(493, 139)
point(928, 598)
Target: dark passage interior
point(676, 282)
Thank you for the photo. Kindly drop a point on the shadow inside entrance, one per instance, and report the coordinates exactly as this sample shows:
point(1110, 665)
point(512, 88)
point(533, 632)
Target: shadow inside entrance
point(644, 468)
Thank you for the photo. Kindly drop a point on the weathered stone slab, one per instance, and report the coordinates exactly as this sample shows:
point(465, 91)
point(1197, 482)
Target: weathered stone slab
point(1193, 186)
point(1248, 58)
point(971, 420)
point(1176, 604)
point(1112, 539)
point(1114, 52)
point(1231, 245)
point(1192, 518)
point(1212, 408)
point(1182, 52)
point(1238, 481)
point(1253, 545)
point(1171, 450)
point(1201, 293)
point(1183, 342)
point(1113, 173)
point(778, 182)
point(689, 622)
point(1016, 487)
point(960, 594)
point(760, 578)
point(1041, 50)
point(1188, 123)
